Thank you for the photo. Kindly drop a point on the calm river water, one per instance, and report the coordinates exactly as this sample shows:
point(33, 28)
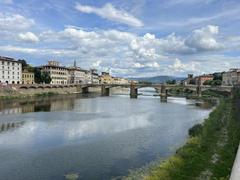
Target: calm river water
point(96, 137)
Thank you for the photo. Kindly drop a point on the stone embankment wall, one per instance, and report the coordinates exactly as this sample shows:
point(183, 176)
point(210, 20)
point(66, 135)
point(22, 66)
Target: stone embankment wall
point(63, 90)
point(8, 91)
point(13, 92)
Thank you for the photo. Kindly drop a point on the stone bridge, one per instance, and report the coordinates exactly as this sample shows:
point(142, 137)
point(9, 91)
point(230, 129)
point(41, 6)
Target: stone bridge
point(162, 89)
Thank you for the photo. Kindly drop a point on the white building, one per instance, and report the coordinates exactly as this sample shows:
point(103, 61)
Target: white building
point(95, 79)
point(88, 77)
point(58, 74)
point(10, 71)
point(77, 75)
point(231, 78)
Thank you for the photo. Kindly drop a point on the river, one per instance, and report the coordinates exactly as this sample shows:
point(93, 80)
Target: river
point(95, 137)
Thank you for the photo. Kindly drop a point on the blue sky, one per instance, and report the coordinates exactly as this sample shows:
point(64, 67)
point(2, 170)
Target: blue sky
point(132, 38)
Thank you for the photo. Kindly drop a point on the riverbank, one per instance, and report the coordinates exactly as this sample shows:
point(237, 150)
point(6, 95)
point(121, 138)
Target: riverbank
point(209, 152)
point(10, 92)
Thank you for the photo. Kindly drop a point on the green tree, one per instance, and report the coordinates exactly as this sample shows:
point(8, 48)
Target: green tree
point(196, 130)
point(217, 76)
point(24, 63)
point(46, 77)
point(208, 82)
point(26, 66)
point(38, 75)
point(171, 81)
point(217, 83)
point(213, 82)
point(30, 68)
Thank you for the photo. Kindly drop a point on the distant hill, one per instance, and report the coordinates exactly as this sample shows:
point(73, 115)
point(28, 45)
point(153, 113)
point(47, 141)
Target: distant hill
point(158, 79)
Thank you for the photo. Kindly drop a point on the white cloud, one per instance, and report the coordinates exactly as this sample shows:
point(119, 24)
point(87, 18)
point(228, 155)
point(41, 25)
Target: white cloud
point(138, 65)
point(146, 65)
point(14, 22)
point(174, 44)
point(37, 51)
point(10, 48)
point(28, 37)
point(146, 48)
point(96, 64)
point(142, 48)
point(200, 40)
point(178, 66)
point(204, 39)
point(108, 11)
point(126, 52)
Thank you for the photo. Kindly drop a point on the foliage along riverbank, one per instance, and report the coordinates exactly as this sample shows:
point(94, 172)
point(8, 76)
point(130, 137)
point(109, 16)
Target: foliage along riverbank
point(209, 152)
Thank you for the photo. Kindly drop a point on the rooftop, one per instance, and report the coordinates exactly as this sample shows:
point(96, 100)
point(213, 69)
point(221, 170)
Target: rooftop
point(8, 59)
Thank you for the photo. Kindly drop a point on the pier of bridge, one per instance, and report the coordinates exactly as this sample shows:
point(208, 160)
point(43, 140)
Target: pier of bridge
point(105, 90)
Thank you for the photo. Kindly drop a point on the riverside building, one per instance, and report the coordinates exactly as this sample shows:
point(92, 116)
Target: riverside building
point(118, 80)
point(77, 75)
point(58, 74)
point(27, 77)
point(201, 79)
point(231, 78)
point(94, 77)
point(10, 71)
point(106, 78)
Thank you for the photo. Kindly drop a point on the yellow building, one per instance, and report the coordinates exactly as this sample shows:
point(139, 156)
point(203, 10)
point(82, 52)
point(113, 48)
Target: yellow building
point(27, 77)
point(118, 80)
point(106, 78)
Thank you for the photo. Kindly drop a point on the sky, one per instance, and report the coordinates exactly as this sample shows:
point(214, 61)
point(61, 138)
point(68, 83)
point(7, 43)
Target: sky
point(129, 38)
